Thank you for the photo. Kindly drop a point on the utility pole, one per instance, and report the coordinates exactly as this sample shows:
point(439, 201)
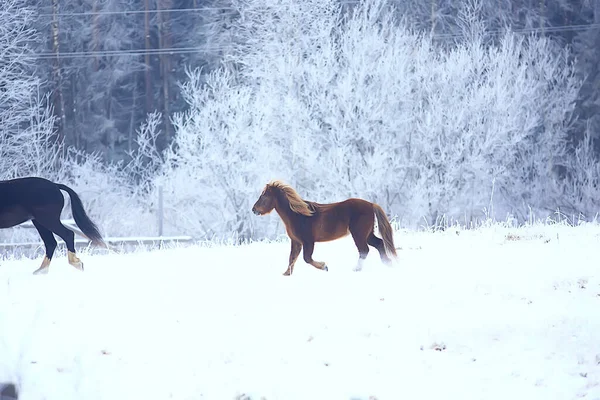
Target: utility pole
point(147, 56)
point(59, 102)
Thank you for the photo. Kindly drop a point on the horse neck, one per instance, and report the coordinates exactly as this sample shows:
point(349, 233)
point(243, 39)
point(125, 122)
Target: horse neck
point(282, 207)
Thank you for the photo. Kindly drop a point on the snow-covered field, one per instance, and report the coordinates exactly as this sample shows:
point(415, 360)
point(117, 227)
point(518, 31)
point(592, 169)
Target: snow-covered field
point(495, 313)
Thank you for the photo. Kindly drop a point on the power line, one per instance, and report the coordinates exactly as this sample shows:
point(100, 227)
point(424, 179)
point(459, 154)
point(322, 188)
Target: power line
point(132, 52)
point(551, 29)
point(561, 28)
point(188, 50)
point(172, 10)
point(128, 12)
point(166, 10)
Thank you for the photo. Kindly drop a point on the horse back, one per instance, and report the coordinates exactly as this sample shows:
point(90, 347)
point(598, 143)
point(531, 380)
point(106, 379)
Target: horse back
point(18, 198)
point(346, 208)
point(332, 221)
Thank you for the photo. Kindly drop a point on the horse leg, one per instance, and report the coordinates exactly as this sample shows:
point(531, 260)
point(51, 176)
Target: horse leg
point(378, 244)
point(309, 247)
point(295, 251)
point(361, 245)
point(358, 229)
point(54, 225)
point(49, 244)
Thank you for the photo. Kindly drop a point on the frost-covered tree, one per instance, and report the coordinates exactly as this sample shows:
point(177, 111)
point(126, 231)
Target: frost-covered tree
point(586, 44)
point(441, 19)
point(357, 104)
point(223, 153)
point(396, 119)
point(209, 31)
point(26, 135)
point(29, 144)
point(108, 102)
point(91, 67)
point(581, 172)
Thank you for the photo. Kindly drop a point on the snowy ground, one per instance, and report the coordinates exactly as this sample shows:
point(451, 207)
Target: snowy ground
point(495, 313)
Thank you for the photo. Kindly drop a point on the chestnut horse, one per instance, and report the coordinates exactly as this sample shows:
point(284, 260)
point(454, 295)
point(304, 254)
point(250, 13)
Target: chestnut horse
point(41, 201)
point(307, 222)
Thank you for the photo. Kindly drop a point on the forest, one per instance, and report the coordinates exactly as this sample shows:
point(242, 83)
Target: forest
point(441, 111)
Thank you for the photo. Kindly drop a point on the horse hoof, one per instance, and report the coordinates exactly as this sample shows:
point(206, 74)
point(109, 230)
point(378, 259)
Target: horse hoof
point(41, 271)
point(79, 267)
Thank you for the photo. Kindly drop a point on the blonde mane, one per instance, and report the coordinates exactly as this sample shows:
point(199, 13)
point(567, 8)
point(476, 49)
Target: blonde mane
point(297, 205)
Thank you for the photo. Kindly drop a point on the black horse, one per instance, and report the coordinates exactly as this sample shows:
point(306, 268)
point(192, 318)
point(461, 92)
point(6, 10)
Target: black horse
point(41, 201)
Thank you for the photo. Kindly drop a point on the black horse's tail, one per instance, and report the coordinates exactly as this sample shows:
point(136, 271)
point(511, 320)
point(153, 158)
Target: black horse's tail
point(81, 219)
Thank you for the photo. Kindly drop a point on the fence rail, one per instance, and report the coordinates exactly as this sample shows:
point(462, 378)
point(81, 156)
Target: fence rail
point(112, 241)
point(121, 241)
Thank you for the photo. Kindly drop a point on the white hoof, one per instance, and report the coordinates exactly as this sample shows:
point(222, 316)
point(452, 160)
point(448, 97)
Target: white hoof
point(359, 265)
point(75, 261)
point(41, 271)
point(78, 266)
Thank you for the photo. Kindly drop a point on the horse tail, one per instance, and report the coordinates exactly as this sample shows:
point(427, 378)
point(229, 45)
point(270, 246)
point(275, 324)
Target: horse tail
point(81, 218)
point(385, 230)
